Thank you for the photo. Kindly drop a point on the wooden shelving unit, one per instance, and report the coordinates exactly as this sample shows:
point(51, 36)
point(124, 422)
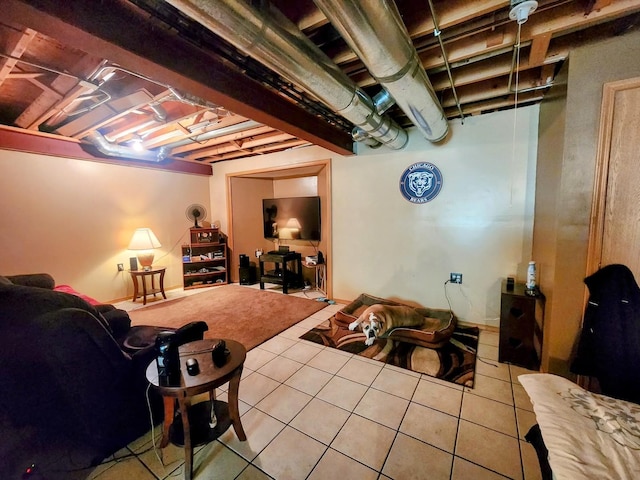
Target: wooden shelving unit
point(204, 259)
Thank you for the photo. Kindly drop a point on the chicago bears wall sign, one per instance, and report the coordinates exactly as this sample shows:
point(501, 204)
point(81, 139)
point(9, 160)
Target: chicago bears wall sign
point(421, 182)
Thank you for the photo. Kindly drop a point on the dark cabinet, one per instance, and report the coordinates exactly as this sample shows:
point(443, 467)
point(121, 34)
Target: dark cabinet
point(521, 327)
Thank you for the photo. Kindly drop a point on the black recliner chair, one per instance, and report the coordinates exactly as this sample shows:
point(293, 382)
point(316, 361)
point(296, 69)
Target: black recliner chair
point(64, 368)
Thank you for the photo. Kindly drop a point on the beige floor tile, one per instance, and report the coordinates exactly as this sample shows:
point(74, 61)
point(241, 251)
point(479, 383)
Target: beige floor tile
point(464, 470)
point(242, 406)
point(488, 352)
point(360, 371)
point(490, 449)
point(438, 396)
point(320, 420)
point(366, 441)
point(492, 388)
point(430, 426)
point(402, 370)
point(444, 383)
point(260, 429)
point(342, 392)
point(284, 403)
point(382, 407)
point(521, 397)
point(526, 420)
point(530, 462)
point(493, 369)
point(280, 368)
point(329, 361)
point(257, 357)
point(309, 380)
point(433, 464)
point(489, 413)
point(253, 473)
point(128, 468)
point(171, 457)
point(396, 383)
point(290, 456)
point(215, 460)
point(301, 352)
point(293, 333)
point(335, 465)
point(489, 338)
point(277, 344)
point(517, 370)
point(255, 387)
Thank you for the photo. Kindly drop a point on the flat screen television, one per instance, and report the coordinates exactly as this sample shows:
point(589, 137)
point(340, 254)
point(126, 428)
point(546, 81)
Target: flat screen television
point(295, 218)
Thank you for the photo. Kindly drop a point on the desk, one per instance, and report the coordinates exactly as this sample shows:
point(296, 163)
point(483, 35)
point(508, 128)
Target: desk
point(141, 275)
point(282, 275)
point(189, 426)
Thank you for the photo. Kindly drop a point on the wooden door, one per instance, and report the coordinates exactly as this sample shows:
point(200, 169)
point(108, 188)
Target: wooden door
point(615, 230)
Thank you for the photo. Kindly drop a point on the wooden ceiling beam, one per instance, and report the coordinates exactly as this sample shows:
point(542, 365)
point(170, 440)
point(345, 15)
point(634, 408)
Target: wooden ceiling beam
point(159, 53)
point(15, 47)
point(12, 138)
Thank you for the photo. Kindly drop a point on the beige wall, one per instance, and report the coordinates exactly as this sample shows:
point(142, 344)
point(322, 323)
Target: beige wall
point(246, 198)
point(480, 224)
point(74, 219)
point(564, 203)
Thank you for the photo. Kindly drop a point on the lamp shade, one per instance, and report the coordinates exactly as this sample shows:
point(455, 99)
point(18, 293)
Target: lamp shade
point(144, 240)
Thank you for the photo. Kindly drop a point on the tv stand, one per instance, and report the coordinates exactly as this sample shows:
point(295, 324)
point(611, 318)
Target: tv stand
point(283, 274)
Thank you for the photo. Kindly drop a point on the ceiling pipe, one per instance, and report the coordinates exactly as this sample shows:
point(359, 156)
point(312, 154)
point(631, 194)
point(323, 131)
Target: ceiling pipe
point(437, 33)
point(269, 37)
point(105, 147)
point(375, 31)
point(238, 127)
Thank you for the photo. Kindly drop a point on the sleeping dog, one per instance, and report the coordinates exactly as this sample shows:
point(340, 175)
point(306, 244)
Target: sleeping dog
point(378, 319)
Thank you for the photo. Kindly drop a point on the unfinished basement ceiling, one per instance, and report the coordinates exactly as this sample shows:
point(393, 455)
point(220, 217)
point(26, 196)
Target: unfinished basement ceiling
point(142, 73)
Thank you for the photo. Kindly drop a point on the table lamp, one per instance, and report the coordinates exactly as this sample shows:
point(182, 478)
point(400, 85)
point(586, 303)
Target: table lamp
point(144, 241)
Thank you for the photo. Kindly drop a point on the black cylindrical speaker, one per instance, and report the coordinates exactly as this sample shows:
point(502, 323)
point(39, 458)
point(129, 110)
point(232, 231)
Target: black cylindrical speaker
point(244, 260)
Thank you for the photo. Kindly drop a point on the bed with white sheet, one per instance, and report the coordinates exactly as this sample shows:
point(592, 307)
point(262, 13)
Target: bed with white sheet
point(587, 435)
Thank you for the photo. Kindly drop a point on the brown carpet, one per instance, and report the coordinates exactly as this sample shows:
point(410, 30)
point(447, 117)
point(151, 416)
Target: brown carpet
point(247, 315)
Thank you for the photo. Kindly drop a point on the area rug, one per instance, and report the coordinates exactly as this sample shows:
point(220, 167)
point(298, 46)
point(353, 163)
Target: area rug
point(454, 362)
point(247, 315)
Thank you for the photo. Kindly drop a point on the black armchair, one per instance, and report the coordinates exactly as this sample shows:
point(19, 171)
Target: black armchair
point(64, 368)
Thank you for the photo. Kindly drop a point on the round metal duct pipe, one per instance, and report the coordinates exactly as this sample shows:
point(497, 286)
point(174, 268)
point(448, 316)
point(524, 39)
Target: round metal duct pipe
point(273, 40)
point(375, 31)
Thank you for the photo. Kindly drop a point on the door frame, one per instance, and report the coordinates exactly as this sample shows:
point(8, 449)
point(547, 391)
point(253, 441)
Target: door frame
point(603, 156)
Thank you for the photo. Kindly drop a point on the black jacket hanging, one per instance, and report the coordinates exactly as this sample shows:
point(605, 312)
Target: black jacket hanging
point(609, 343)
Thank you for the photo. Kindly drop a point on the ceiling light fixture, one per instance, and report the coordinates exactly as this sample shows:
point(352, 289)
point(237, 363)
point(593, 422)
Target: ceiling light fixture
point(520, 11)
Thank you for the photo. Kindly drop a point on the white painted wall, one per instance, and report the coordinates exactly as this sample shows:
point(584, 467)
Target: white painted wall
point(479, 225)
point(74, 219)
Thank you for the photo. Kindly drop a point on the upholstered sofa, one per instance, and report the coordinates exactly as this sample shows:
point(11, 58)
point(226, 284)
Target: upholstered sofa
point(64, 368)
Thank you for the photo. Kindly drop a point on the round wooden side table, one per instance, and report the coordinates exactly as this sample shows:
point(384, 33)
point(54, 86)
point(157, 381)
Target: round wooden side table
point(139, 276)
point(189, 427)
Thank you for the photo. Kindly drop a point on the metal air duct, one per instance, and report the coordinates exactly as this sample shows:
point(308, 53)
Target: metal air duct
point(375, 31)
point(272, 39)
point(105, 147)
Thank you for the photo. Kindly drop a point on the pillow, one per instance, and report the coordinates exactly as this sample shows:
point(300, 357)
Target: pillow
point(5, 281)
point(19, 304)
point(69, 289)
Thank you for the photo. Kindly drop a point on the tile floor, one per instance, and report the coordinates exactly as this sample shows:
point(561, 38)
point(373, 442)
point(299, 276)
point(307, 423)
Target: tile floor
point(312, 412)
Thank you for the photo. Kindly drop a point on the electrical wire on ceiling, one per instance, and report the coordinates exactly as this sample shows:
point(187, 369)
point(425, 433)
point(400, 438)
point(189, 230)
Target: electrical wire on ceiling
point(520, 12)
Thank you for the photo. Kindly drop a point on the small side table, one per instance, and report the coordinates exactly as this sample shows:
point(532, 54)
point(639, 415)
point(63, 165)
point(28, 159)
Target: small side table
point(190, 428)
point(141, 276)
point(320, 275)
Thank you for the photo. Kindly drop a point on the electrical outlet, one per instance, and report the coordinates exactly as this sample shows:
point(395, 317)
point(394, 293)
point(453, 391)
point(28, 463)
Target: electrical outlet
point(121, 267)
point(455, 277)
